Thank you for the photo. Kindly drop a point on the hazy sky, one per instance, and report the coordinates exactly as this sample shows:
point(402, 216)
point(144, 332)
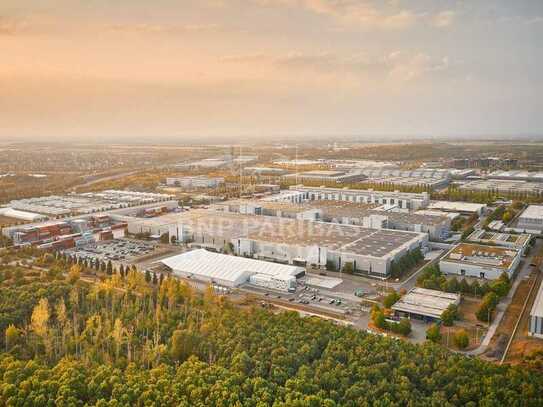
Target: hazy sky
point(133, 69)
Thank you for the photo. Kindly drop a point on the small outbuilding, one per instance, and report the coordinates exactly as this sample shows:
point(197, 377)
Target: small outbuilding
point(424, 304)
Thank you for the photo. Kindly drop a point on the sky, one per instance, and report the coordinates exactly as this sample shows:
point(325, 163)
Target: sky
point(132, 70)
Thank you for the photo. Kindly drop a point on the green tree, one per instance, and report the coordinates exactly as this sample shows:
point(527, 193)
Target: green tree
point(433, 333)
point(391, 299)
point(348, 267)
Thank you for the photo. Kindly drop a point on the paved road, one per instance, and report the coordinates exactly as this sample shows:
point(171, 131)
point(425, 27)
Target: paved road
point(502, 306)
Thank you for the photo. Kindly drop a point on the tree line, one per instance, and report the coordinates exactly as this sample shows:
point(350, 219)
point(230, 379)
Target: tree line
point(129, 342)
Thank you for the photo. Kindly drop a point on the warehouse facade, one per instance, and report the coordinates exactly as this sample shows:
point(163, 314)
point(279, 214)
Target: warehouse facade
point(404, 200)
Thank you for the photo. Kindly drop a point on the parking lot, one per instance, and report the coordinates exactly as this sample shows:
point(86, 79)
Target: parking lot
point(117, 250)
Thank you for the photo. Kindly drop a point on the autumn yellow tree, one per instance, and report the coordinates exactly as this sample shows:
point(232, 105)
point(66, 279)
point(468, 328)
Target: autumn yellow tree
point(39, 323)
point(12, 336)
point(74, 274)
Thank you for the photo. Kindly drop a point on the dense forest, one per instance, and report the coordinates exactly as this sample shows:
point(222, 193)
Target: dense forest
point(124, 341)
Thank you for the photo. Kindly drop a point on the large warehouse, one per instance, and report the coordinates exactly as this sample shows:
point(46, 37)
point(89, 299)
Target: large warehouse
point(531, 219)
point(404, 200)
point(284, 240)
point(232, 271)
point(325, 176)
point(350, 213)
point(481, 261)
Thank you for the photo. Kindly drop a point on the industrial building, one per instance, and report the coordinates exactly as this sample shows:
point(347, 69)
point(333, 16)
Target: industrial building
point(324, 176)
point(287, 196)
point(285, 240)
point(517, 175)
point(531, 219)
point(421, 173)
point(362, 164)
point(297, 163)
point(430, 183)
point(424, 304)
point(476, 260)
point(265, 171)
point(199, 181)
point(268, 208)
point(535, 327)
point(348, 213)
point(503, 186)
point(514, 241)
point(207, 163)
point(425, 177)
point(404, 200)
point(233, 271)
point(464, 208)
point(85, 203)
point(67, 233)
point(21, 215)
point(381, 217)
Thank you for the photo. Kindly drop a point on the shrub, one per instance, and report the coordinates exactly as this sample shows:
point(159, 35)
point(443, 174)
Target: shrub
point(348, 268)
point(391, 299)
point(461, 339)
point(433, 333)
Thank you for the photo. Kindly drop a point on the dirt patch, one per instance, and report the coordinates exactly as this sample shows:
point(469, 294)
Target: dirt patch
point(475, 335)
point(467, 309)
point(523, 345)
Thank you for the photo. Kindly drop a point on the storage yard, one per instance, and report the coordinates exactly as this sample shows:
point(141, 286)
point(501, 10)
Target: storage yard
point(117, 250)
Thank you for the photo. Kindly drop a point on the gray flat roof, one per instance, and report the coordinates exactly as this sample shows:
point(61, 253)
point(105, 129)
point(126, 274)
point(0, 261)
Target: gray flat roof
point(334, 236)
point(533, 212)
point(426, 302)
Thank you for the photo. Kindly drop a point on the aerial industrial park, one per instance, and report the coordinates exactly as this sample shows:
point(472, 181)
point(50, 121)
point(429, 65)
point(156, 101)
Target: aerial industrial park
point(353, 233)
point(271, 203)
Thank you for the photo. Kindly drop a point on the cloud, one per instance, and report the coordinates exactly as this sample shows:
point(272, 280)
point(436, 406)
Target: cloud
point(11, 26)
point(366, 14)
point(407, 66)
point(362, 13)
point(397, 65)
point(535, 20)
point(164, 28)
point(443, 19)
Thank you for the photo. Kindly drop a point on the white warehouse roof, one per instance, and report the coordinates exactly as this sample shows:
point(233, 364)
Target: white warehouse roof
point(456, 206)
point(231, 270)
point(14, 213)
